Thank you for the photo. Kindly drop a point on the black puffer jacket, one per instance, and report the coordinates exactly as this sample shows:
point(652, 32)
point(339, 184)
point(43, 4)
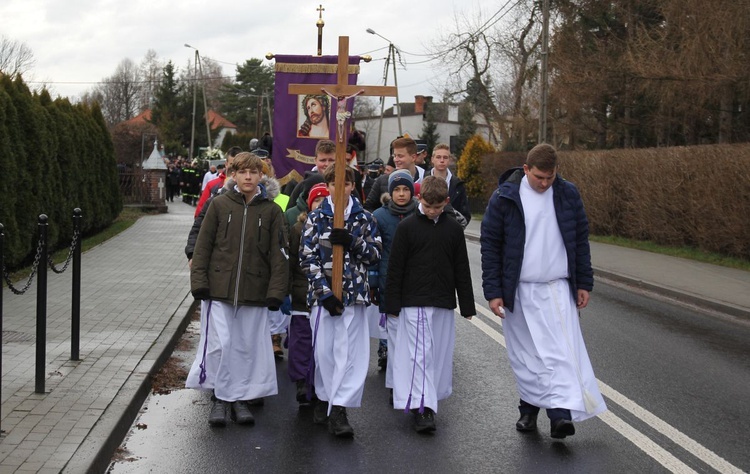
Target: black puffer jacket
point(503, 237)
point(428, 265)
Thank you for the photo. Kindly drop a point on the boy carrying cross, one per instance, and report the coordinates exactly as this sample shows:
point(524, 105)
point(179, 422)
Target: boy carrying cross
point(341, 344)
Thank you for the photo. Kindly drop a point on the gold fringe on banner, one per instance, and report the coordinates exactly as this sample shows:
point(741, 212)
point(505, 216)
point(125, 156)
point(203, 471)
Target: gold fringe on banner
point(313, 68)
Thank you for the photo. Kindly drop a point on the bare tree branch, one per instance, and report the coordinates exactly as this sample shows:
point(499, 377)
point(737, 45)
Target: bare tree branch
point(15, 57)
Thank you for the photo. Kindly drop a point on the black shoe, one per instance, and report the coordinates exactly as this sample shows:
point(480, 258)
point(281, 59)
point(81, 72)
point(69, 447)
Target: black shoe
point(560, 428)
point(302, 393)
point(278, 352)
point(527, 422)
point(241, 414)
point(390, 397)
point(424, 422)
point(338, 424)
point(256, 402)
point(383, 361)
point(218, 415)
point(320, 412)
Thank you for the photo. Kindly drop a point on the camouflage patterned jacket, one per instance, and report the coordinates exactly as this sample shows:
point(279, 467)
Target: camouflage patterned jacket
point(317, 253)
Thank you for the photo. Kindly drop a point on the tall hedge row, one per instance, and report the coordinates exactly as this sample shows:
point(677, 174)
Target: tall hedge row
point(54, 157)
point(697, 196)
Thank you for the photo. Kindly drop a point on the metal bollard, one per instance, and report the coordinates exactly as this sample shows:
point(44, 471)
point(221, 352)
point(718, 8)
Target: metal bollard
point(41, 306)
point(75, 317)
point(2, 268)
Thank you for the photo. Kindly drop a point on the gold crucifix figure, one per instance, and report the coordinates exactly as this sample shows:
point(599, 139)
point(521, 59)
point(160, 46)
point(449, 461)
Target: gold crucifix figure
point(342, 91)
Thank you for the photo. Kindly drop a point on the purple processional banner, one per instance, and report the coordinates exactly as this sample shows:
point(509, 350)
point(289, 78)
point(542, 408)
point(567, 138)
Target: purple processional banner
point(299, 121)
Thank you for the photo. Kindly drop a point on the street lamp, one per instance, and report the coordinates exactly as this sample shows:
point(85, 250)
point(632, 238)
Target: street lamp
point(198, 67)
point(391, 53)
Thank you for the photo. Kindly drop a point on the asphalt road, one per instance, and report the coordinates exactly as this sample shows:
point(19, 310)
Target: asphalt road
point(675, 380)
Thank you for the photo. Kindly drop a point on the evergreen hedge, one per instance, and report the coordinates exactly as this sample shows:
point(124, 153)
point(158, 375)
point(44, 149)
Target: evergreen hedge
point(54, 157)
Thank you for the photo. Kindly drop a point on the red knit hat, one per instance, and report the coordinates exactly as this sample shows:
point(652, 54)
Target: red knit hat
point(320, 189)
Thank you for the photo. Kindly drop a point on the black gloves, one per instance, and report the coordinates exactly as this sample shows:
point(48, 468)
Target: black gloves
point(374, 296)
point(333, 305)
point(273, 304)
point(201, 294)
point(340, 237)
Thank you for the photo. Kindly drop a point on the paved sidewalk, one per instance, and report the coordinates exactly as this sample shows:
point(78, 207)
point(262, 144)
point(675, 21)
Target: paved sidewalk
point(722, 289)
point(134, 299)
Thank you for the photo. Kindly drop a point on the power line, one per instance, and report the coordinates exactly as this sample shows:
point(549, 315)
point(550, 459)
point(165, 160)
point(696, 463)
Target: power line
point(142, 81)
point(481, 30)
point(374, 50)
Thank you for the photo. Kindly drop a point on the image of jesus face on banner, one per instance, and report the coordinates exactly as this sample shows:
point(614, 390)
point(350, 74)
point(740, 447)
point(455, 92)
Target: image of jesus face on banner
point(313, 114)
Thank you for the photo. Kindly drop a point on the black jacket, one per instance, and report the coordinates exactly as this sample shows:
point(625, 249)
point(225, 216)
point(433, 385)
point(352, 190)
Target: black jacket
point(428, 265)
point(379, 186)
point(459, 200)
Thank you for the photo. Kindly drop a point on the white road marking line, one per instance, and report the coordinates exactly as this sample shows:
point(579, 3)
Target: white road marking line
point(661, 455)
point(645, 444)
point(690, 445)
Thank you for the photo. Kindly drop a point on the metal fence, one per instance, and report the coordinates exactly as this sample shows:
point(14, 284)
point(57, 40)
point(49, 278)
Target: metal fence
point(133, 187)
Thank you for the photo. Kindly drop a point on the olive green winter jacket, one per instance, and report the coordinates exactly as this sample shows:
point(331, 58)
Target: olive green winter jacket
point(241, 254)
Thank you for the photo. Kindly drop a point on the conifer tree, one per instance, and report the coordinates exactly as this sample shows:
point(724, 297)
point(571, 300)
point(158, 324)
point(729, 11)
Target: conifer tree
point(8, 168)
point(470, 165)
point(467, 126)
point(429, 133)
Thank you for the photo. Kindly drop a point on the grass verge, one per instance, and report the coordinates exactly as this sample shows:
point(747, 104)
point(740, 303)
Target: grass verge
point(682, 252)
point(127, 218)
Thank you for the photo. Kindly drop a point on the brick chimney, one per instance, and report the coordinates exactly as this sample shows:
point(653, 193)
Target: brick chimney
point(419, 101)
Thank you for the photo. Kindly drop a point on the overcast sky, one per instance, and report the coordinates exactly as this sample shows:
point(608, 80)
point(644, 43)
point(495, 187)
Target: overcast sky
point(78, 42)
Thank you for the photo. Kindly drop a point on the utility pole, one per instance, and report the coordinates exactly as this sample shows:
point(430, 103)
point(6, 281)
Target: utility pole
point(545, 85)
point(205, 104)
point(392, 51)
point(268, 112)
point(195, 97)
point(382, 98)
point(395, 83)
point(259, 116)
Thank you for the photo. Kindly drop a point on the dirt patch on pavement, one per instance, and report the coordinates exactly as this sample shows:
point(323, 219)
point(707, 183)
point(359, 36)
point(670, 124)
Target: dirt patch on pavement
point(172, 375)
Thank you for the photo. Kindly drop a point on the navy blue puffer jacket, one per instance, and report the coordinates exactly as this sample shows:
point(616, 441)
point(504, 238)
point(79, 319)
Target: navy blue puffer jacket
point(503, 237)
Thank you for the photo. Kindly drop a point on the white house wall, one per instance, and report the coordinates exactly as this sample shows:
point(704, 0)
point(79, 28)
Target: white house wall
point(412, 125)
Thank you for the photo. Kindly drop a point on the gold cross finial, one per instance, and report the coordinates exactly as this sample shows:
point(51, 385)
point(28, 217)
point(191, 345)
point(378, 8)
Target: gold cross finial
point(320, 24)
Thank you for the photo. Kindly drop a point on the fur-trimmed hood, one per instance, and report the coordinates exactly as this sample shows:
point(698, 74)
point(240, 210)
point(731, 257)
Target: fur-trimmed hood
point(273, 188)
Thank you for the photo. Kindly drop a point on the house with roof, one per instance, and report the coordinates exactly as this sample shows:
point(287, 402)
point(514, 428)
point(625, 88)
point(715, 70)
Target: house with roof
point(220, 124)
point(217, 122)
point(413, 117)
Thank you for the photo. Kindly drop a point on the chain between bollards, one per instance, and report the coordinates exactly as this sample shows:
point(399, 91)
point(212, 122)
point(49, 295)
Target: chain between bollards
point(40, 271)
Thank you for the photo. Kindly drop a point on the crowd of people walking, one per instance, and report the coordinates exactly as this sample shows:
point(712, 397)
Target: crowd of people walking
point(261, 259)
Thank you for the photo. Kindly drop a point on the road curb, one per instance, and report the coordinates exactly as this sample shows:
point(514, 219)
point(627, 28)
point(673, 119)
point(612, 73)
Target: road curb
point(95, 453)
point(682, 296)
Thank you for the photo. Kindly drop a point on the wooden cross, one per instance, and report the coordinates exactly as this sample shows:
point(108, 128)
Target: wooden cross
point(342, 91)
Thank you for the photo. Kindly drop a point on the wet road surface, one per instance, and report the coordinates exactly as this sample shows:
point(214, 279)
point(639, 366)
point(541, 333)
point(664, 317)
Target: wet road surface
point(675, 380)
